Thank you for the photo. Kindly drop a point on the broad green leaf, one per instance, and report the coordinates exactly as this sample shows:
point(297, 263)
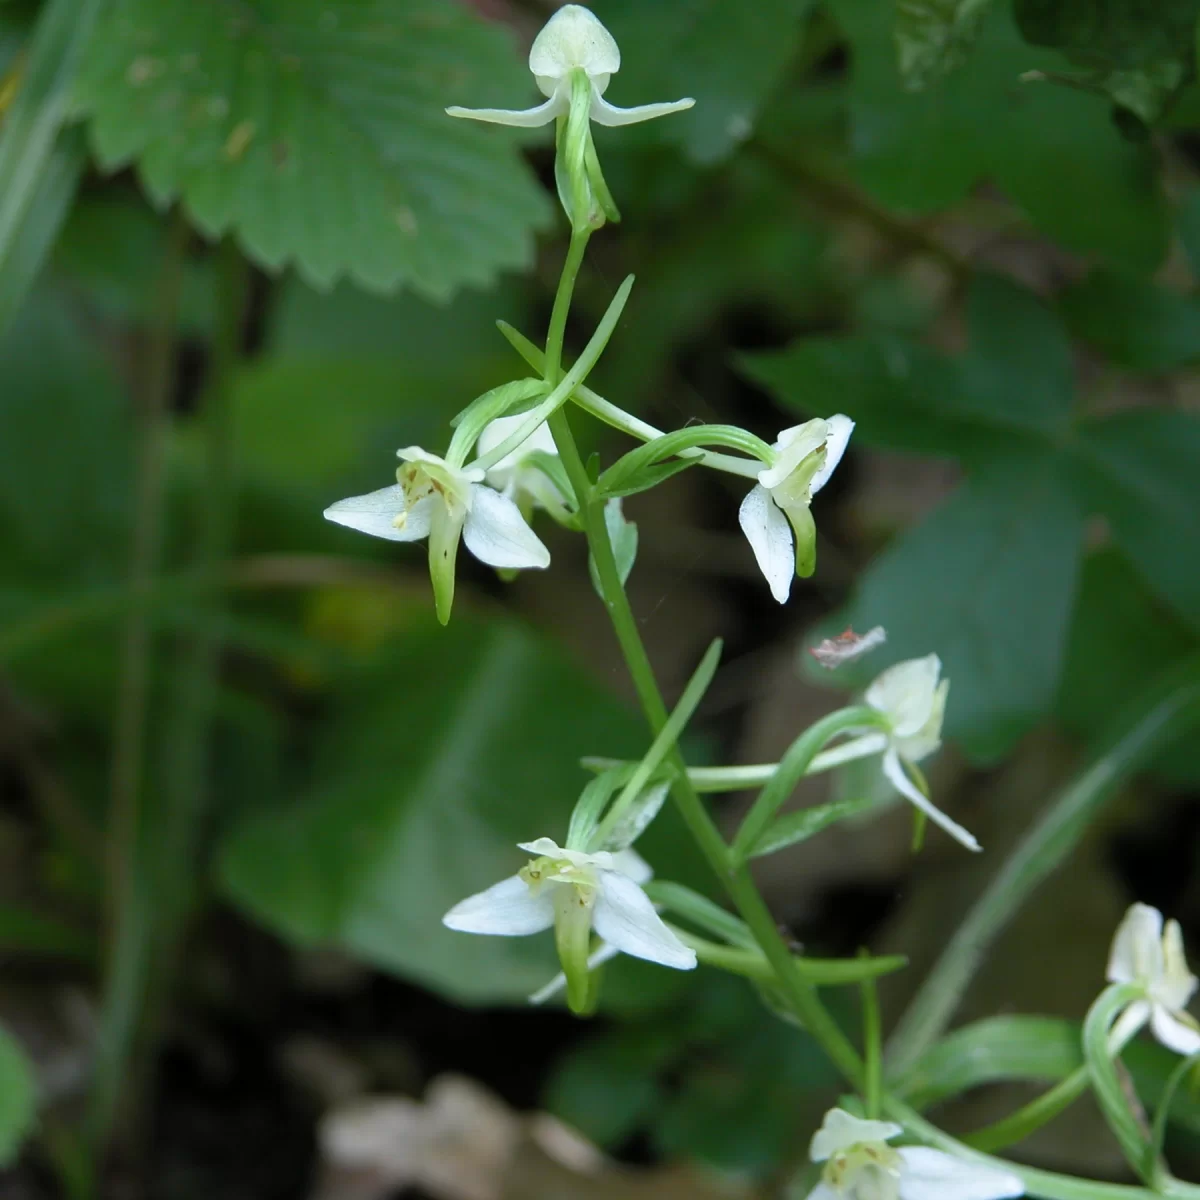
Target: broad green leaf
point(988, 582)
point(316, 133)
point(1139, 53)
point(18, 1098)
point(1051, 149)
point(1121, 637)
point(1012, 389)
point(454, 747)
point(729, 57)
point(1035, 1049)
point(934, 37)
point(1187, 222)
point(1134, 322)
point(1139, 469)
point(994, 1050)
point(26, 931)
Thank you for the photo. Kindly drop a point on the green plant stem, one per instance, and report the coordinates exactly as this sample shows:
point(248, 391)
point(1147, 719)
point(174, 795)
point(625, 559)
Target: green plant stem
point(127, 902)
point(1168, 707)
point(1030, 1117)
point(798, 993)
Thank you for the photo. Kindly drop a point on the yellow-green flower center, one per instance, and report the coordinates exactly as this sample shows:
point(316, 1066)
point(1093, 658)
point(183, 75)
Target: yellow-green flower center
point(865, 1171)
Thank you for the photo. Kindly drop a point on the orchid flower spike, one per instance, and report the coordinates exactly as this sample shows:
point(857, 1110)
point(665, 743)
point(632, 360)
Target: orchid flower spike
point(516, 475)
point(860, 1165)
point(575, 892)
point(775, 515)
point(1147, 954)
point(443, 502)
point(572, 40)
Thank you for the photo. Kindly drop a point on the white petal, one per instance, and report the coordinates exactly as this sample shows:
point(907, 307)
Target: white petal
point(770, 537)
point(376, 512)
point(496, 533)
point(523, 118)
point(840, 429)
point(907, 694)
point(632, 865)
point(636, 819)
point(1178, 984)
point(574, 37)
point(899, 779)
point(1173, 1032)
point(934, 1175)
point(824, 1192)
point(604, 113)
point(624, 917)
point(602, 954)
point(1127, 1025)
point(508, 909)
point(841, 1129)
point(494, 432)
point(792, 447)
point(542, 846)
point(1136, 955)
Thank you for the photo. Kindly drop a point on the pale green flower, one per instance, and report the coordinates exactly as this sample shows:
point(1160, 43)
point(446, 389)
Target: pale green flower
point(572, 40)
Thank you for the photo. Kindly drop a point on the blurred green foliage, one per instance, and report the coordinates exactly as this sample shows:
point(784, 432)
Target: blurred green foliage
point(868, 210)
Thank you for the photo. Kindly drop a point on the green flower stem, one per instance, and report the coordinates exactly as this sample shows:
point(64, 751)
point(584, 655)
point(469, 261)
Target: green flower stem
point(129, 904)
point(1170, 706)
point(667, 737)
point(792, 767)
point(737, 779)
point(617, 418)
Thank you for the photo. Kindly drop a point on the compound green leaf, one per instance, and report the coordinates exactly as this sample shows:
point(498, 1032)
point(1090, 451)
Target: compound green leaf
point(1134, 322)
point(988, 582)
point(1139, 53)
point(316, 132)
point(1139, 469)
point(1011, 392)
point(18, 1098)
point(1052, 149)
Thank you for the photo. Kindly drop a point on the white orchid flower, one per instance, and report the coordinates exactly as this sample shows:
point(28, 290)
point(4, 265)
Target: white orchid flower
point(1147, 954)
point(572, 40)
point(514, 475)
point(575, 892)
point(911, 697)
point(860, 1165)
point(775, 515)
point(442, 502)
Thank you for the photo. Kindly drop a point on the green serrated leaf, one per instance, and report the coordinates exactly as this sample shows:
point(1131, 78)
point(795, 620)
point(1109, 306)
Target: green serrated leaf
point(18, 1098)
point(316, 133)
point(804, 823)
point(934, 37)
